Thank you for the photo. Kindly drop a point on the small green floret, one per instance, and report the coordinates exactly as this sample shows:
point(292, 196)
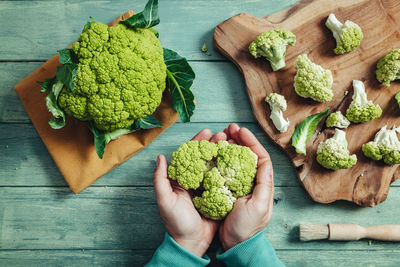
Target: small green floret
point(337, 119)
point(361, 109)
point(348, 35)
point(272, 45)
point(277, 104)
point(312, 80)
point(222, 171)
point(385, 146)
point(333, 153)
point(388, 68)
point(120, 78)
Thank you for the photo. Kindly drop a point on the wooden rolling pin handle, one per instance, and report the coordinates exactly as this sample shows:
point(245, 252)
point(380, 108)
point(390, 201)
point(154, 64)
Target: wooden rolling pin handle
point(356, 232)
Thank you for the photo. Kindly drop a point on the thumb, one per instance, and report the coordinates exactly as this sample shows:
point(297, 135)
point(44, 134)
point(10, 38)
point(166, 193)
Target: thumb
point(264, 189)
point(162, 185)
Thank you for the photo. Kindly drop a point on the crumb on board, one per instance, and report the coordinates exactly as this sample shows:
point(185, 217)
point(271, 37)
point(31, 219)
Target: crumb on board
point(204, 48)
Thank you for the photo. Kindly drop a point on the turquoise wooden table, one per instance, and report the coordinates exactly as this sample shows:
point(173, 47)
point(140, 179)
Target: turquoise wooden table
point(115, 222)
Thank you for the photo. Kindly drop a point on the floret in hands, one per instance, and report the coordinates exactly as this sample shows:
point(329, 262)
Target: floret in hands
point(338, 120)
point(223, 172)
point(388, 68)
point(361, 109)
point(272, 45)
point(348, 36)
point(312, 80)
point(385, 146)
point(277, 104)
point(120, 78)
point(333, 153)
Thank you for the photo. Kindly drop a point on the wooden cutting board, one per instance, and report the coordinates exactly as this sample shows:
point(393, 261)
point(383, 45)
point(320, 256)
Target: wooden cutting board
point(367, 183)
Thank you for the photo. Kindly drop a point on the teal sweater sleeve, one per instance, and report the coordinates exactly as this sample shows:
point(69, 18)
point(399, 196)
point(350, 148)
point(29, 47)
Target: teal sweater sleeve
point(171, 253)
point(255, 251)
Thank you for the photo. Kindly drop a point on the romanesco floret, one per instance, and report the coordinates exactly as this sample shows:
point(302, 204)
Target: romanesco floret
point(222, 171)
point(388, 68)
point(385, 146)
point(361, 109)
point(312, 80)
point(338, 120)
point(333, 153)
point(120, 78)
point(277, 104)
point(348, 36)
point(272, 45)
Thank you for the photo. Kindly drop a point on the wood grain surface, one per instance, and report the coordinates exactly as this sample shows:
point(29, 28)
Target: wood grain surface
point(367, 183)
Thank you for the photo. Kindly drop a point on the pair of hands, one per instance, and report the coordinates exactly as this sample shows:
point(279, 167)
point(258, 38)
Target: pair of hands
point(249, 215)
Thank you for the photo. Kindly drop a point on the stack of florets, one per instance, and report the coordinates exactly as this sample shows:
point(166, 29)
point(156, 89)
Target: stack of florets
point(222, 172)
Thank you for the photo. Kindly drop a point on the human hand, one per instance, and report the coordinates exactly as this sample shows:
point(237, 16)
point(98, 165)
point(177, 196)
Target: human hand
point(182, 221)
point(251, 213)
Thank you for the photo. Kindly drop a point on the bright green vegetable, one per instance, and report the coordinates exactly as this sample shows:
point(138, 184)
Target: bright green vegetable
point(333, 153)
point(348, 35)
point(361, 109)
point(305, 130)
point(337, 119)
point(272, 45)
point(277, 104)
point(385, 146)
point(397, 97)
point(113, 78)
point(223, 172)
point(388, 68)
point(312, 80)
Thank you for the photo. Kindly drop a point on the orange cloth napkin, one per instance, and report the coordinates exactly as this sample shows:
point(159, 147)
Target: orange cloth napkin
point(72, 147)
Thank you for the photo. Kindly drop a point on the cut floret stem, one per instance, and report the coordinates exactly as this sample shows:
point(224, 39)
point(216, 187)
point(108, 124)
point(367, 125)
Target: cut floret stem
point(359, 96)
point(334, 25)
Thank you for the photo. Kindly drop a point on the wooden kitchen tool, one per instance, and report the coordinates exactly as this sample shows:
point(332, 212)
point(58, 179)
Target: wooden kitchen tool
point(347, 232)
point(367, 183)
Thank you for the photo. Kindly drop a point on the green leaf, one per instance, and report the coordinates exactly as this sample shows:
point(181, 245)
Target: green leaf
point(58, 119)
point(101, 138)
point(46, 85)
point(180, 78)
point(88, 24)
point(145, 19)
point(305, 130)
point(66, 74)
point(397, 97)
point(146, 123)
point(68, 56)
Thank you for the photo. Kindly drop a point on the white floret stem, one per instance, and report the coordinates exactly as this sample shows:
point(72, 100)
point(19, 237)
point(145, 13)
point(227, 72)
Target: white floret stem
point(279, 121)
point(359, 95)
point(334, 25)
point(278, 64)
point(340, 136)
point(387, 138)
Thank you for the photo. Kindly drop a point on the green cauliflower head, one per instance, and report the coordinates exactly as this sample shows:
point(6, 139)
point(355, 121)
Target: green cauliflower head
point(333, 153)
point(337, 119)
point(348, 36)
point(385, 146)
point(223, 172)
point(312, 80)
point(272, 45)
point(388, 68)
point(120, 78)
point(361, 109)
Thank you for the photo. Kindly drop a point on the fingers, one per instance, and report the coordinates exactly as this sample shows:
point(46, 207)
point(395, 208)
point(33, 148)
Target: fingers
point(248, 139)
point(220, 136)
point(203, 135)
point(162, 185)
point(264, 189)
point(233, 130)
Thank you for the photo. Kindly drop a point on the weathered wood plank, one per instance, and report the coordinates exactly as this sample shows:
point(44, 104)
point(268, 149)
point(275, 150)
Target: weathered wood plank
point(295, 258)
point(127, 218)
point(220, 82)
point(26, 161)
point(37, 29)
